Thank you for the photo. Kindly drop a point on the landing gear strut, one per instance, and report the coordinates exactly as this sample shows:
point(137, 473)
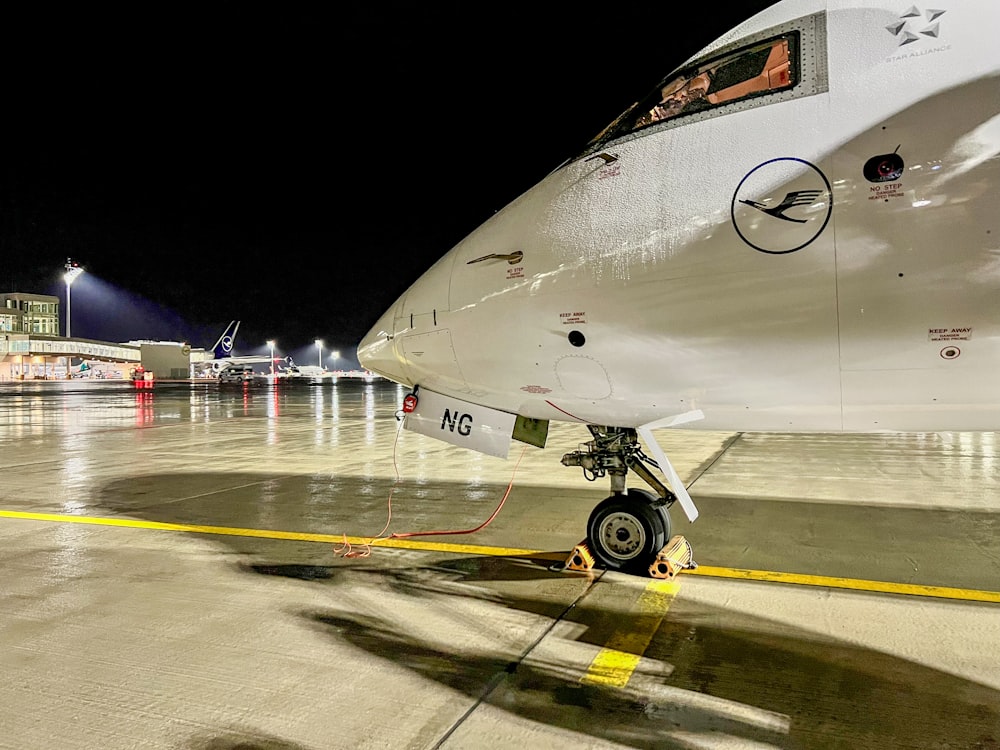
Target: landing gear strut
point(627, 529)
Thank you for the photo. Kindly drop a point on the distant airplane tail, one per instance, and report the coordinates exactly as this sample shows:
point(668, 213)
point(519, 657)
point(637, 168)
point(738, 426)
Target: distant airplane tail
point(224, 346)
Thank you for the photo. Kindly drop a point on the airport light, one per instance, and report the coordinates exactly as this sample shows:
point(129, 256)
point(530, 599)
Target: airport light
point(72, 271)
point(319, 345)
point(270, 344)
point(334, 356)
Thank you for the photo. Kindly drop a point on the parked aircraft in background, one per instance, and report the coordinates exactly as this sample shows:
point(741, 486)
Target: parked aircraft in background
point(223, 353)
point(292, 370)
point(96, 370)
point(317, 374)
point(797, 230)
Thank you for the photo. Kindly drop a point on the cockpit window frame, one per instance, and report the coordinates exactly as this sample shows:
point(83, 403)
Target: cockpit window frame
point(694, 89)
point(806, 39)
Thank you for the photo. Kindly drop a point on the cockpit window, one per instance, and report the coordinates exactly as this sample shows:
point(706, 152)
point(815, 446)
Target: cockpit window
point(748, 72)
point(760, 69)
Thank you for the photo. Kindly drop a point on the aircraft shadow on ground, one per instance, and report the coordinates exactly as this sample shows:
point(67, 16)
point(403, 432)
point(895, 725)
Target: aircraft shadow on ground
point(806, 690)
point(470, 569)
point(739, 680)
point(723, 666)
point(457, 578)
point(242, 740)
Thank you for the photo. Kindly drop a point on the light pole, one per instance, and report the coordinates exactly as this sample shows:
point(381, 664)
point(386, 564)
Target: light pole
point(319, 345)
point(72, 271)
point(270, 344)
point(334, 356)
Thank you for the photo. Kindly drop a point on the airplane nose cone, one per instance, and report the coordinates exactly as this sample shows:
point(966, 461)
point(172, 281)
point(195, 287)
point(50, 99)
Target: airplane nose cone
point(377, 351)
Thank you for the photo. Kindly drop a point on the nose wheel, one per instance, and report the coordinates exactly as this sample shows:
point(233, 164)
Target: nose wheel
point(627, 530)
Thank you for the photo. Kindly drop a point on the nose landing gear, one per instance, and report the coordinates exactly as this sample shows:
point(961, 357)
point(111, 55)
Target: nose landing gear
point(630, 529)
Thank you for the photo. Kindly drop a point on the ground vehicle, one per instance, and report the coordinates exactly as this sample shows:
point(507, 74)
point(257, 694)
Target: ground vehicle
point(236, 374)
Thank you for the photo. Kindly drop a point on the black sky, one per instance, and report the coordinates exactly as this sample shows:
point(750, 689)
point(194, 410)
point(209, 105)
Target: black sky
point(295, 166)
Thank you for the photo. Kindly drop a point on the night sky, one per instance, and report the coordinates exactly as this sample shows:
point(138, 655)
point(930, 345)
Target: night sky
point(293, 166)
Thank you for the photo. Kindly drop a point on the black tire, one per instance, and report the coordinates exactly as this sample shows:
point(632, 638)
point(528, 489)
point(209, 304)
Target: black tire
point(667, 525)
point(626, 531)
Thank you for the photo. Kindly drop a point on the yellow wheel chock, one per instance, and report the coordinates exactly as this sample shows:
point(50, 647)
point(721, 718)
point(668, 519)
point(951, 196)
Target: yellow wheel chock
point(580, 558)
point(676, 556)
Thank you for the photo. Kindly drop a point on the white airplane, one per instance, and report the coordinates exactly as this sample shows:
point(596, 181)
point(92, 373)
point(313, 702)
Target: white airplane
point(797, 230)
point(223, 353)
point(293, 370)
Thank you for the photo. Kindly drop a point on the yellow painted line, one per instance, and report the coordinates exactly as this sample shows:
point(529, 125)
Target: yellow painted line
point(885, 587)
point(855, 584)
point(615, 663)
point(298, 536)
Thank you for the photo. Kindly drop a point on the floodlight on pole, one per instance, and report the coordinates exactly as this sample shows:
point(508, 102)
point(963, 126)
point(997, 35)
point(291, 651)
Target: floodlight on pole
point(319, 345)
point(72, 271)
point(270, 343)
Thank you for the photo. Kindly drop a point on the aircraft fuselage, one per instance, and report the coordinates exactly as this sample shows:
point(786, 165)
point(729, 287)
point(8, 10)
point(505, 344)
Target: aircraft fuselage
point(823, 257)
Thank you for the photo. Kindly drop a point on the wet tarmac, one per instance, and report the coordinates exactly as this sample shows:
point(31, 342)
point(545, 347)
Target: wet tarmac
point(197, 567)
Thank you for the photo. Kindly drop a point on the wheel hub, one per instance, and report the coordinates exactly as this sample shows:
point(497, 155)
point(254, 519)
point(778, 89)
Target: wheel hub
point(623, 535)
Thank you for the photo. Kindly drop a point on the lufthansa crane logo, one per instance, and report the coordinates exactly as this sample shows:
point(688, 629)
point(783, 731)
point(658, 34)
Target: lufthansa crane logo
point(227, 344)
point(792, 199)
point(782, 205)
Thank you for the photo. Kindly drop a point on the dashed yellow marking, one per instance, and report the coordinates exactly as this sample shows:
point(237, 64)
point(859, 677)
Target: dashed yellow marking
point(885, 587)
point(615, 663)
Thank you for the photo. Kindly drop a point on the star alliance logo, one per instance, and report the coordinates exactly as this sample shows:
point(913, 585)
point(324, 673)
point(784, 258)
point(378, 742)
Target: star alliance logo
point(903, 30)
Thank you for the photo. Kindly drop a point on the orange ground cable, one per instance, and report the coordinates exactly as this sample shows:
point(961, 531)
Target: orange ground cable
point(483, 525)
point(347, 550)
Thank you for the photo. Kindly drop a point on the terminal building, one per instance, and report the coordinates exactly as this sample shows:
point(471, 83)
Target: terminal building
point(31, 347)
point(29, 313)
